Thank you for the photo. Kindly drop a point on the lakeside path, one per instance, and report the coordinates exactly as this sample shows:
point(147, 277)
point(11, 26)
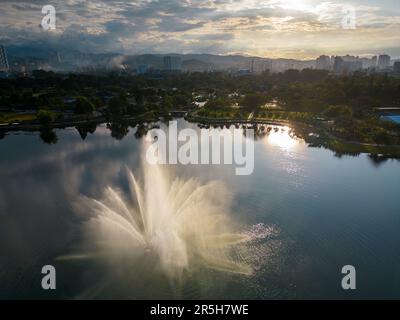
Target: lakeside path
point(55, 125)
point(202, 120)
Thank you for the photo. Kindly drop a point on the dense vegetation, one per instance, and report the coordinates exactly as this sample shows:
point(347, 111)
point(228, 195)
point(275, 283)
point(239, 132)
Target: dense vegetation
point(343, 105)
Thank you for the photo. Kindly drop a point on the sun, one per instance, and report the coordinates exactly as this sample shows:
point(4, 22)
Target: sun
point(299, 5)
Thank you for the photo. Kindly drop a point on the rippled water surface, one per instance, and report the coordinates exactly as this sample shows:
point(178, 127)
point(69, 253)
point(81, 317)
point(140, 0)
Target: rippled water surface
point(115, 228)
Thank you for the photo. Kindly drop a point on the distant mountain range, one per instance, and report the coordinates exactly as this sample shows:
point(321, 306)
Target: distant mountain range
point(200, 62)
point(190, 62)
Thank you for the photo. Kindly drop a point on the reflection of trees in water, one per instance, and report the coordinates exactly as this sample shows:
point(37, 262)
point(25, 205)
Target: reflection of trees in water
point(378, 159)
point(260, 131)
point(2, 135)
point(48, 136)
point(141, 131)
point(85, 129)
point(119, 130)
point(166, 119)
point(143, 128)
point(340, 154)
point(347, 149)
point(313, 137)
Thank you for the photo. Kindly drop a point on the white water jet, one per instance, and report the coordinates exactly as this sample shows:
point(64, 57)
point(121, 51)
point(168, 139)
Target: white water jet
point(174, 226)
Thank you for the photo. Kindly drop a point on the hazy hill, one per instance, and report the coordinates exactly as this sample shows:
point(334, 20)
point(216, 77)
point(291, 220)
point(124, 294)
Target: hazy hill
point(190, 62)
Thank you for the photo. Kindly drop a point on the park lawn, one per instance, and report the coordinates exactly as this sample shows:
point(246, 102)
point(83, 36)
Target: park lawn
point(228, 113)
point(286, 115)
point(16, 117)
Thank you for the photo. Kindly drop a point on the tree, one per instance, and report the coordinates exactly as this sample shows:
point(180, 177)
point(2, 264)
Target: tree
point(339, 111)
point(118, 105)
point(168, 103)
point(180, 100)
point(218, 103)
point(253, 100)
point(45, 118)
point(84, 106)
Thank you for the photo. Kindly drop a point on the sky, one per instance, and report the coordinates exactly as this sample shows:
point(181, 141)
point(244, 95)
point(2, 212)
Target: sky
point(299, 29)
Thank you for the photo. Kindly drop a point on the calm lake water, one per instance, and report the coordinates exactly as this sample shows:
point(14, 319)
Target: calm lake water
point(394, 118)
point(307, 212)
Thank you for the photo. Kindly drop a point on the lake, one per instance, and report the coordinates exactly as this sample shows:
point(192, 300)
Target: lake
point(393, 118)
point(284, 232)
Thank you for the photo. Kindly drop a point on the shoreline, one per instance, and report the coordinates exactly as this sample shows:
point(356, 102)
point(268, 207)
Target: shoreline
point(222, 121)
point(325, 139)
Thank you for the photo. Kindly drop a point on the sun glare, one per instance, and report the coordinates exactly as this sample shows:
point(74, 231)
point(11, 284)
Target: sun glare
point(295, 5)
point(282, 139)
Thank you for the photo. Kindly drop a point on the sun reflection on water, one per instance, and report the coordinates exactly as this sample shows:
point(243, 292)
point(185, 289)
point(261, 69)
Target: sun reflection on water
point(283, 138)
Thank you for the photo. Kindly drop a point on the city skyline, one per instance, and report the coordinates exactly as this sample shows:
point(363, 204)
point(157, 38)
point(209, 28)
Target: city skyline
point(145, 64)
point(291, 29)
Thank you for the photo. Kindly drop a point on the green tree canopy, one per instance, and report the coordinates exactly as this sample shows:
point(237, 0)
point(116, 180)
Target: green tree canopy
point(118, 105)
point(45, 117)
point(84, 106)
point(253, 100)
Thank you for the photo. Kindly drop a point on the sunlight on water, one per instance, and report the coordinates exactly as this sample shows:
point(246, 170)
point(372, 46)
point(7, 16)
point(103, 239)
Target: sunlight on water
point(282, 138)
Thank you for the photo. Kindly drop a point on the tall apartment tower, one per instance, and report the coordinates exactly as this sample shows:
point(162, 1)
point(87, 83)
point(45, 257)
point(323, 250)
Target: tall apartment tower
point(3, 60)
point(338, 65)
point(172, 63)
point(323, 63)
point(384, 61)
point(396, 67)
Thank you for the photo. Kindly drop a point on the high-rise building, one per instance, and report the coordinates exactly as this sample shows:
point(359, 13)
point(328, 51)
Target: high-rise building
point(369, 63)
point(374, 61)
point(338, 65)
point(396, 67)
point(4, 66)
point(323, 63)
point(383, 61)
point(349, 64)
point(172, 63)
point(142, 69)
point(352, 66)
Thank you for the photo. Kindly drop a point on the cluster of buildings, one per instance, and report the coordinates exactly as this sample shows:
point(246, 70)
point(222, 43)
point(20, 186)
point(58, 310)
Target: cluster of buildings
point(257, 66)
point(77, 61)
point(85, 62)
point(172, 64)
point(350, 64)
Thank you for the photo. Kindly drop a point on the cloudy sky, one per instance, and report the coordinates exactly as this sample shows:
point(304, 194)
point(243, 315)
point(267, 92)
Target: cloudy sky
point(268, 28)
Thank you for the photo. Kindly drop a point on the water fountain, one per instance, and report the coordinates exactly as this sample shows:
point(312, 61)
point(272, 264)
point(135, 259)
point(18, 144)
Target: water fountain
point(164, 227)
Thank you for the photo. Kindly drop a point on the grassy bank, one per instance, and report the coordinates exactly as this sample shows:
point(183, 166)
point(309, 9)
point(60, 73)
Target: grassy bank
point(6, 118)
